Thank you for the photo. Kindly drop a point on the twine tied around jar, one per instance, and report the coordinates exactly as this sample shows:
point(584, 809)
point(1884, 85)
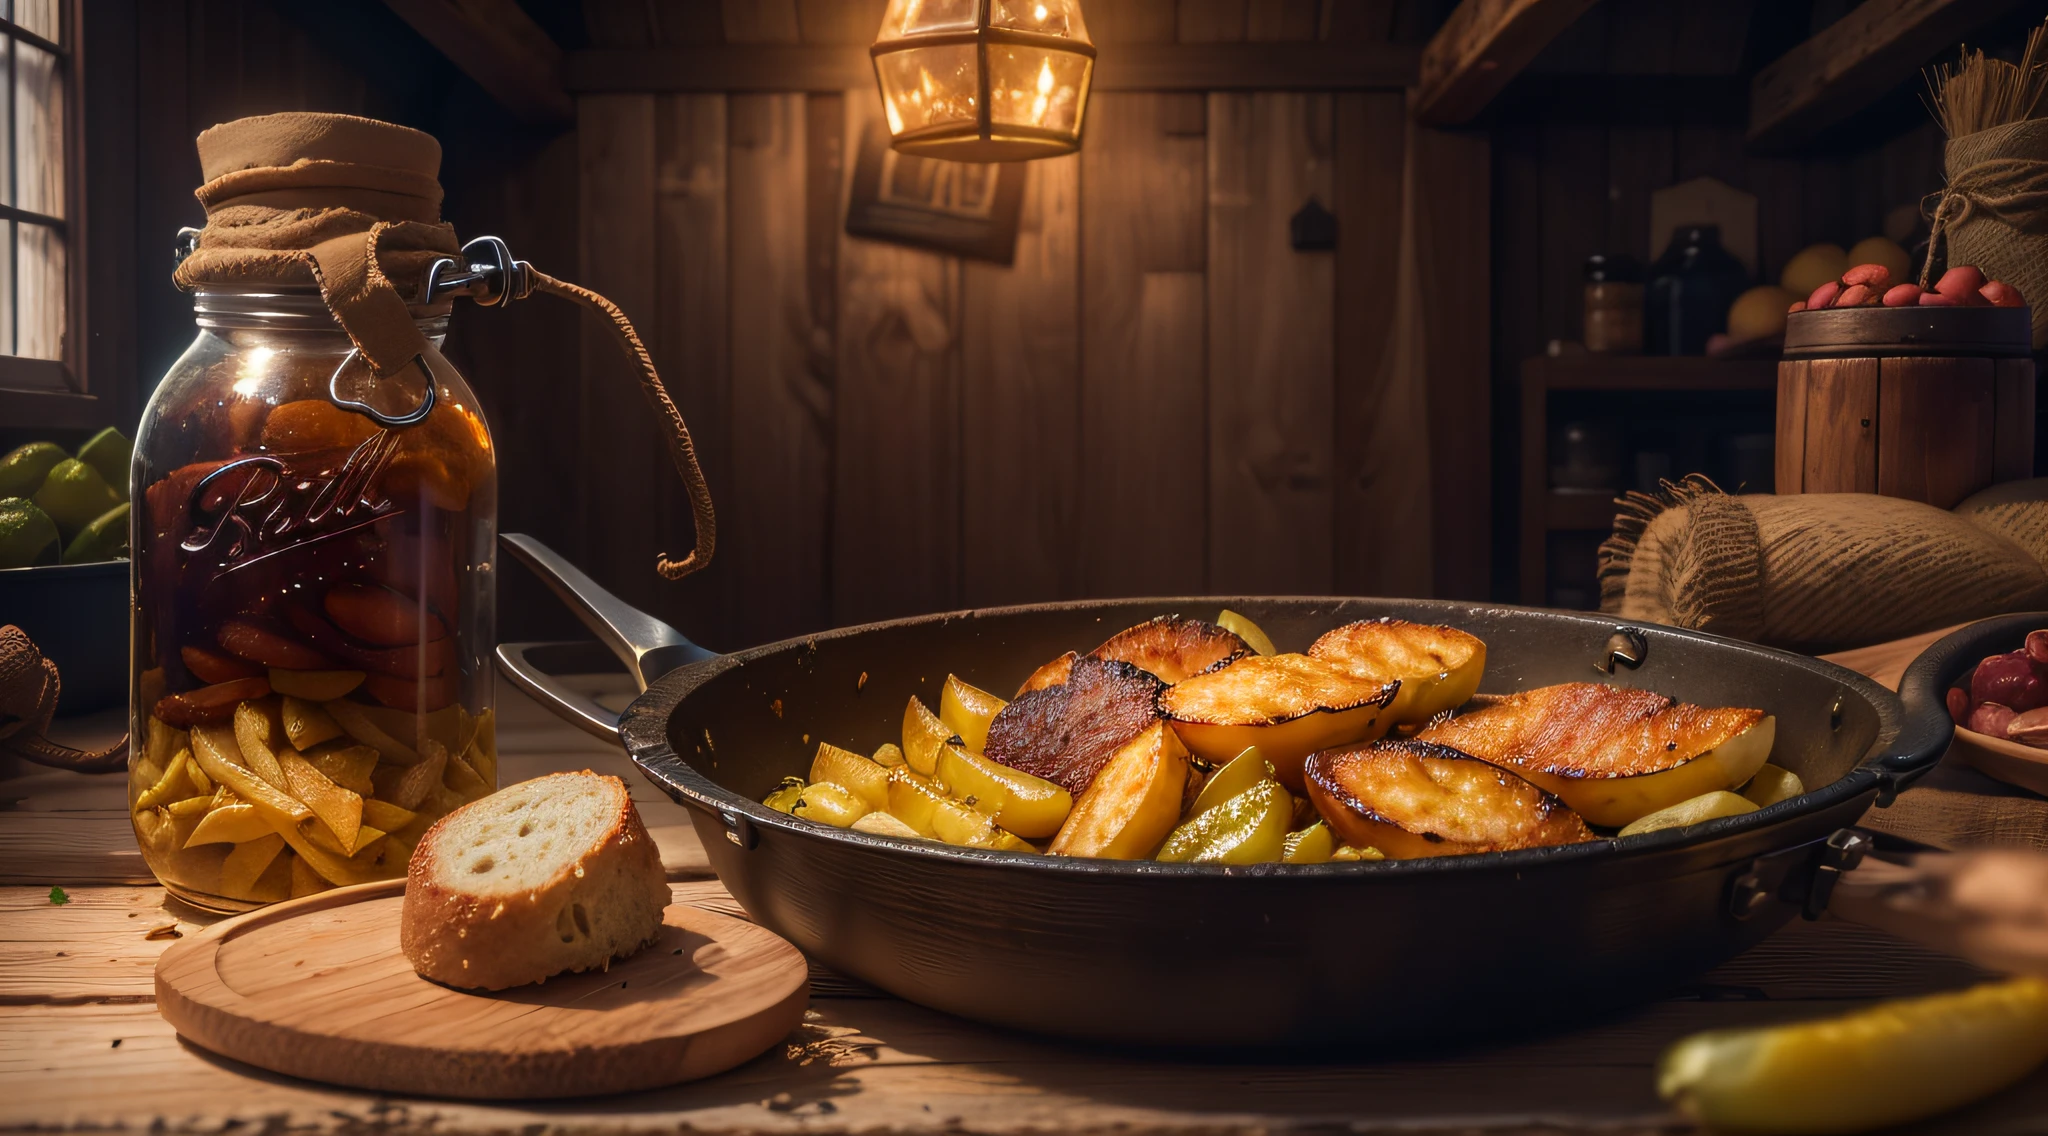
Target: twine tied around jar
point(352, 206)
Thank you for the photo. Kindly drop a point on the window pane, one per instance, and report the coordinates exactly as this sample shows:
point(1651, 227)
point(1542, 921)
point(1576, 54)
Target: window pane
point(39, 265)
point(40, 17)
point(38, 131)
point(7, 289)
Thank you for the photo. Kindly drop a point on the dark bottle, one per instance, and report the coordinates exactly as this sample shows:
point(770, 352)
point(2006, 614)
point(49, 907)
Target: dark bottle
point(1691, 288)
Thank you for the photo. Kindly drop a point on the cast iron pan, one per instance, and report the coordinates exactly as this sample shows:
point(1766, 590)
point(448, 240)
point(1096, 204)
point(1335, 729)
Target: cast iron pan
point(1366, 955)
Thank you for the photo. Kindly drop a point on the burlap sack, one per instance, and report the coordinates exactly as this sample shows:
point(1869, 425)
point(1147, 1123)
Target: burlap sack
point(2016, 510)
point(1994, 211)
point(1814, 572)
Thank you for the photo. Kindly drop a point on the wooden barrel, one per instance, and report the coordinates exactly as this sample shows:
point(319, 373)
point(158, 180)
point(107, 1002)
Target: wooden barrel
point(1930, 404)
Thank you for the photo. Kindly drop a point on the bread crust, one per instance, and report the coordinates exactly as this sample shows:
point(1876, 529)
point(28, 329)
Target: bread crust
point(492, 942)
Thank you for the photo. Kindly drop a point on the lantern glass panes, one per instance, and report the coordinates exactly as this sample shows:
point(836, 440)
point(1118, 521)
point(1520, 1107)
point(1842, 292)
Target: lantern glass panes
point(984, 80)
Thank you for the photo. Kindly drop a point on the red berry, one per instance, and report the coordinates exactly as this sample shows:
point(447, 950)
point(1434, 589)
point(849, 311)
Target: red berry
point(1824, 296)
point(1937, 300)
point(1877, 276)
point(1797, 306)
point(1855, 296)
point(1960, 282)
point(1902, 295)
point(1999, 294)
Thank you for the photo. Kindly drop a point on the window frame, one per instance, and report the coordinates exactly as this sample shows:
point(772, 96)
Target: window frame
point(55, 393)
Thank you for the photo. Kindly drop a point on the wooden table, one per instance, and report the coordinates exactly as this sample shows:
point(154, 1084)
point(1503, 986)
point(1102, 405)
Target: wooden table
point(82, 1047)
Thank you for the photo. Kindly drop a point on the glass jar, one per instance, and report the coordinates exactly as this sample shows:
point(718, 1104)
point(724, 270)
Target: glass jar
point(1691, 288)
point(1614, 305)
point(313, 603)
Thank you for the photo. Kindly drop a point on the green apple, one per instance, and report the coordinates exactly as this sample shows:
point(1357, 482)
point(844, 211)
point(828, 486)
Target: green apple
point(27, 534)
point(74, 494)
point(22, 471)
point(109, 452)
point(106, 538)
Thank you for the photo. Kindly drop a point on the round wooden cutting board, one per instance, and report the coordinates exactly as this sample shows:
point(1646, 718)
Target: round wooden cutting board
point(317, 988)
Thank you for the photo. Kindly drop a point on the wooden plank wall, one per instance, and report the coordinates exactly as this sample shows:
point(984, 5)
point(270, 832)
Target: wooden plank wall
point(1160, 396)
point(1638, 95)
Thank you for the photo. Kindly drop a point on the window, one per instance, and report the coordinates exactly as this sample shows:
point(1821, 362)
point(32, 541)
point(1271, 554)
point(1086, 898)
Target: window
point(36, 164)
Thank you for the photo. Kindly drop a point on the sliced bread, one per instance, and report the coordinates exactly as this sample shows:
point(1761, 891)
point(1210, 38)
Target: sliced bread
point(550, 875)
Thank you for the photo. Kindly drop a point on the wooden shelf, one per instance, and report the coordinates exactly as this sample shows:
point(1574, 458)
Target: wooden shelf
point(1545, 512)
point(1649, 373)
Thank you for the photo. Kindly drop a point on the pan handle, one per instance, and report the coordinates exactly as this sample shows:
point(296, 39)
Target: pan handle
point(1925, 730)
point(572, 706)
point(648, 647)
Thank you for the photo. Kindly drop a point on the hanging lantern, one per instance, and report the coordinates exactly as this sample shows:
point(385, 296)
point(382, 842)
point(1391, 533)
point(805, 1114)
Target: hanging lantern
point(984, 80)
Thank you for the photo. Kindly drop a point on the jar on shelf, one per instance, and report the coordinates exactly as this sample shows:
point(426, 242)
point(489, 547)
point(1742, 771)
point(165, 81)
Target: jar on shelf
point(1614, 305)
point(313, 542)
point(1691, 288)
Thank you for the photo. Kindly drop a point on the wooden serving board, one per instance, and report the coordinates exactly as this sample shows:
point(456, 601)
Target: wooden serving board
point(2003, 759)
point(317, 988)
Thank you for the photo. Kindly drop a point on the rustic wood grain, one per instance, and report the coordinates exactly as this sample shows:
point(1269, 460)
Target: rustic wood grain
point(843, 21)
point(760, 21)
point(897, 470)
point(1382, 399)
point(1454, 228)
point(1841, 426)
point(497, 44)
point(1280, 20)
point(782, 413)
point(882, 1064)
point(689, 335)
point(318, 987)
point(2013, 451)
point(1534, 567)
point(1271, 366)
point(1479, 48)
point(1574, 222)
point(1197, 66)
point(1118, 22)
point(1936, 436)
point(1849, 63)
point(1020, 402)
point(619, 434)
point(1790, 451)
point(1142, 511)
point(1211, 21)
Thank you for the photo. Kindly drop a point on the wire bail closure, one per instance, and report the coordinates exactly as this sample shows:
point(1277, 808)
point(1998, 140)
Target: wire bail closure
point(494, 277)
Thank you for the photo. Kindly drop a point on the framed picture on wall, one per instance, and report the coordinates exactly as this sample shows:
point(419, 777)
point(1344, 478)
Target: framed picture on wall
point(963, 208)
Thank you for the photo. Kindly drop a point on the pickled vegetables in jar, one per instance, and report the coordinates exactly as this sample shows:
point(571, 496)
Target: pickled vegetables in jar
point(313, 606)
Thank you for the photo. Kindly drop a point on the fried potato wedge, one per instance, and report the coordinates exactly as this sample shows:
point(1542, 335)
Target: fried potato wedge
point(1051, 674)
point(1287, 705)
point(1023, 804)
point(1066, 733)
point(1412, 799)
point(967, 709)
point(1133, 803)
point(1614, 755)
point(1438, 667)
point(865, 778)
point(1172, 648)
